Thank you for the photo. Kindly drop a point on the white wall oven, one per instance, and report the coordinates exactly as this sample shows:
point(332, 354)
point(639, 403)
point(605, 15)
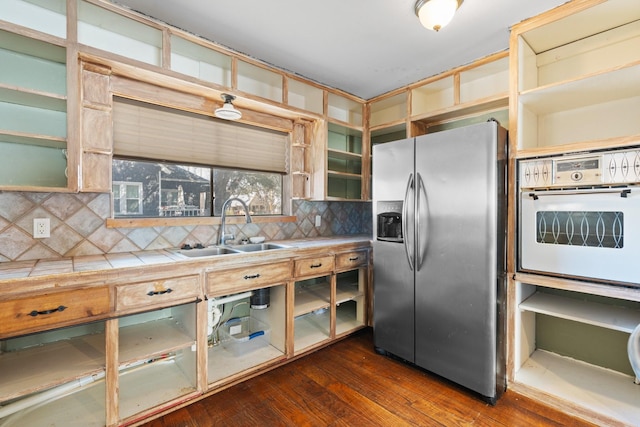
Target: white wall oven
point(579, 216)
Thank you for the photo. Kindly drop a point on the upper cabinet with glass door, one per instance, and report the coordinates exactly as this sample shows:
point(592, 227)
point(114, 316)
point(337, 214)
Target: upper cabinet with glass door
point(33, 113)
point(578, 80)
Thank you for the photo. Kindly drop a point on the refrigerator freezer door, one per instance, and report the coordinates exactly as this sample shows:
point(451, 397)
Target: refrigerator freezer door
point(456, 286)
point(393, 324)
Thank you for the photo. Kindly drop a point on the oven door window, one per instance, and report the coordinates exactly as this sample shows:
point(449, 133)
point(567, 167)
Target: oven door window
point(584, 228)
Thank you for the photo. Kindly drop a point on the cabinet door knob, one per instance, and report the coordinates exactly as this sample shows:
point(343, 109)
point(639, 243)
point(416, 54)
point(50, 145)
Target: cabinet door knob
point(255, 276)
point(354, 258)
point(166, 291)
point(35, 313)
point(316, 265)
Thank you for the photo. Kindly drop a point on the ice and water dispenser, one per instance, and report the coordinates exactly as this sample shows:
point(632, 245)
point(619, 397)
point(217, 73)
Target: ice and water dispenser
point(389, 221)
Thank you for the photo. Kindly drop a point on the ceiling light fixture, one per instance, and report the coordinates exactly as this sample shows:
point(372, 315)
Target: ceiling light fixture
point(435, 14)
point(228, 111)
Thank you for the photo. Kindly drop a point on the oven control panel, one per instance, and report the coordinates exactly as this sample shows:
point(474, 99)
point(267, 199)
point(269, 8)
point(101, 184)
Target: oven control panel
point(578, 171)
point(581, 170)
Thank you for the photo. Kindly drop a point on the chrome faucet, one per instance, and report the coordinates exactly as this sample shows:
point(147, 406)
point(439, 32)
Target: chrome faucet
point(221, 239)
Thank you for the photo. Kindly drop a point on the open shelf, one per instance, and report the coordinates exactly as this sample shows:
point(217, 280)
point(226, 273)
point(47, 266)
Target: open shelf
point(309, 298)
point(82, 408)
point(311, 328)
point(598, 88)
point(156, 382)
point(41, 367)
point(349, 316)
point(115, 33)
point(607, 316)
point(46, 16)
point(223, 362)
point(198, 61)
point(343, 155)
point(597, 389)
point(347, 291)
point(145, 340)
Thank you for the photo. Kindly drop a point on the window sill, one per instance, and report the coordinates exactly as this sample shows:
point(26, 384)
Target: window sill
point(177, 221)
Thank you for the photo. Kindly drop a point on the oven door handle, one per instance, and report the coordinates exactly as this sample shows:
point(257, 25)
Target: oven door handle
point(622, 192)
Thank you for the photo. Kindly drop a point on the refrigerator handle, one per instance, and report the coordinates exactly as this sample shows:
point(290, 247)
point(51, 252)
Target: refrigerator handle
point(422, 235)
point(405, 220)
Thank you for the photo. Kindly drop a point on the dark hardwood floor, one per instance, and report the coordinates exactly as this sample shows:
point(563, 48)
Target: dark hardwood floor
point(348, 384)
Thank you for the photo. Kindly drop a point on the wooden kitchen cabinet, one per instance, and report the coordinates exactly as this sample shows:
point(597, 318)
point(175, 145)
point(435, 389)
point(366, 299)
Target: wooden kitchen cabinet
point(33, 114)
point(242, 334)
point(152, 294)
point(52, 310)
point(576, 89)
point(575, 74)
point(157, 359)
point(314, 284)
point(245, 339)
point(140, 342)
point(55, 377)
point(329, 297)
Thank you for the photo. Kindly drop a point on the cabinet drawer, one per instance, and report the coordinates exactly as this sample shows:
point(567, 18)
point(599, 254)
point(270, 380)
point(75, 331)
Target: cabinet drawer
point(250, 277)
point(158, 292)
point(49, 311)
point(314, 266)
point(351, 259)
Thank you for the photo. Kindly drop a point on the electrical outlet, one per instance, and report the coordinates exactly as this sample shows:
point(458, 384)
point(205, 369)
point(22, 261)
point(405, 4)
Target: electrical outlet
point(41, 228)
point(318, 220)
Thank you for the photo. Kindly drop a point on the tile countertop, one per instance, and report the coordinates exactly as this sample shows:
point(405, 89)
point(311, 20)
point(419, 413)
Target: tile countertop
point(16, 270)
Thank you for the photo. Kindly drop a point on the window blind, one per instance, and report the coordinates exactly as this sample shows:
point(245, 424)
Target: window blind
point(149, 131)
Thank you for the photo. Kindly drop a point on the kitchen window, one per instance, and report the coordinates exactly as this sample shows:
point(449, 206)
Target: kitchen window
point(179, 190)
point(188, 164)
point(127, 198)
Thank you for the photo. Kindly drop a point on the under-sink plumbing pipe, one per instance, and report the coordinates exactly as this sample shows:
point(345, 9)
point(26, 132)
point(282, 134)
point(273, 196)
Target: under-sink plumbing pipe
point(214, 314)
point(47, 395)
point(633, 349)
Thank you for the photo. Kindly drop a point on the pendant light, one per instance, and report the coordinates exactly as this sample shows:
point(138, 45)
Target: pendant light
point(228, 111)
point(435, 14)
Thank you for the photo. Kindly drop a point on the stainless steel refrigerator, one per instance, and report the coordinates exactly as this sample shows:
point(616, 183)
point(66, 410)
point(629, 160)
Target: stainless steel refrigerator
point(439, 209)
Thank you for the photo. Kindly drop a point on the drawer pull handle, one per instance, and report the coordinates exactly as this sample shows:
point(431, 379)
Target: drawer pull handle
point(354, 258)
point(35, 313)
point(255, 276)
point(166, 291)
point(316, 265)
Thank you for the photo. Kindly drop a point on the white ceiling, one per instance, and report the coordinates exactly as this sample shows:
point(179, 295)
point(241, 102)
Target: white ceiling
point(363, 47)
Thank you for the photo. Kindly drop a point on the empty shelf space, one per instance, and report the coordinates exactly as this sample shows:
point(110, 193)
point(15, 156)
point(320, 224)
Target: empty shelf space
point(223, 362)
point(41, 367)
point(594, 89)
point(311, 329)
point(152, 384)
point(143, 340)
point(347, 292)
point(593, 313)
point(344, 155)
point(601, 390)
point(311, 298)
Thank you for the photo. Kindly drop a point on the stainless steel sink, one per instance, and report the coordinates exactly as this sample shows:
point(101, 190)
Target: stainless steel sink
point(257, 247)
point(210, 251)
